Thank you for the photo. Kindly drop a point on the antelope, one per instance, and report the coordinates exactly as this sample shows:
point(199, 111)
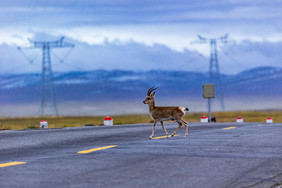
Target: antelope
point(165, 113)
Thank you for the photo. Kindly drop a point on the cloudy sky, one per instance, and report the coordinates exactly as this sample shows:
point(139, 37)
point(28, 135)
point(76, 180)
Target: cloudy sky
point(141, 35)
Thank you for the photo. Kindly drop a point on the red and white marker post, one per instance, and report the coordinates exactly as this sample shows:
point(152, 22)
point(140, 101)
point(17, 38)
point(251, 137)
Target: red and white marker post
point(240, 119)
point(43, 124)
point(269, 120)
point(108, 121)
point(204, 119)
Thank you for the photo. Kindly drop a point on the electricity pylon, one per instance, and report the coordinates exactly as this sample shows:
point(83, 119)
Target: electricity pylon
point(214, 74)
point(48, 104)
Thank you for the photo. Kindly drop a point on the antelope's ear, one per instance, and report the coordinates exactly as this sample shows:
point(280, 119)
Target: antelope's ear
point(154, 93)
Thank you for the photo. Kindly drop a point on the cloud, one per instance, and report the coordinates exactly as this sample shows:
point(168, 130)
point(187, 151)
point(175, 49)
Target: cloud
point(249, 54)
point(88, 12)
point(132, 55)
point(146, 34)
point(173, 24)
point(107, 55)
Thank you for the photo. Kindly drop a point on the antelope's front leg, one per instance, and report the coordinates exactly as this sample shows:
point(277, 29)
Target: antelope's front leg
point(162, 123)
point(153, 130)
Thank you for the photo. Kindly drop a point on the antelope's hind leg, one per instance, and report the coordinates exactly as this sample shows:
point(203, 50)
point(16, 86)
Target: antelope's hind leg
point(180, 124)
point(186, 127)
point(155, 122)
point(162, 123)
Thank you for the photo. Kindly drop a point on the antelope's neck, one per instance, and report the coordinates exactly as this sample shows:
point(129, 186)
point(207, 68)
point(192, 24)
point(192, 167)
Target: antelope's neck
point(151, 106)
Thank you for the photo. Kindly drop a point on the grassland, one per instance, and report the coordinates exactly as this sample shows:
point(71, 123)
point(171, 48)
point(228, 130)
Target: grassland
point(58, 122)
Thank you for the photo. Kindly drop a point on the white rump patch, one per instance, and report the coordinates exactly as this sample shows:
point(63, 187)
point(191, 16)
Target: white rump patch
point(182, 109)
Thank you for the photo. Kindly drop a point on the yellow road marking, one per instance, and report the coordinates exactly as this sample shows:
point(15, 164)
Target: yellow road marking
point(162, 137)
point(97, 149)
point(11, 164)
point(229, 128)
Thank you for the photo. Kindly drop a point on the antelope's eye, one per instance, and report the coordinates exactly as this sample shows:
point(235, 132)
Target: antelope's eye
point(149, 98)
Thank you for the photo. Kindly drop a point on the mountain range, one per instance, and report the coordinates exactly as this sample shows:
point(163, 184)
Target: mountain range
point(121, 85)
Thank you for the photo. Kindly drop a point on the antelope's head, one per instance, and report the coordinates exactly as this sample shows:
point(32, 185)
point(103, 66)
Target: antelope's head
point(150, 96)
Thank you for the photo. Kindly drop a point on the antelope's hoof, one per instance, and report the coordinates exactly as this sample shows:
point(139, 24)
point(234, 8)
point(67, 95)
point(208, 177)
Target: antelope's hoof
point(185, 136)
point(172, 135)
point(150, 137)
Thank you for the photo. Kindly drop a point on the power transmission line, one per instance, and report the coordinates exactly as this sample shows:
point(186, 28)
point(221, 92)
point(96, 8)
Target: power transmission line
point(62, 60)
point(214, 73)
point(235, 60)
point(30, 60)
point(48, 98)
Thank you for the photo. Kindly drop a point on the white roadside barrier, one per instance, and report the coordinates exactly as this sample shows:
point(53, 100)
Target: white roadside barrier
point(44, 124)
point(108, 121)
point(269, 120)
point(204, 119)
point(240, 119)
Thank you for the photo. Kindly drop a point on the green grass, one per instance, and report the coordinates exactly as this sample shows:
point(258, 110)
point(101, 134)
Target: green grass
point(67, 121)
point(78, 121)
point(248, 116)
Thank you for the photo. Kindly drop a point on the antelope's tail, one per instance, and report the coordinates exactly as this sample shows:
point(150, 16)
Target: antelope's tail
point(184, 109)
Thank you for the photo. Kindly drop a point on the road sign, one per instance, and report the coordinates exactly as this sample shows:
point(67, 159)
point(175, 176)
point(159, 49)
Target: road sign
point(208, 90)
point(208, 93)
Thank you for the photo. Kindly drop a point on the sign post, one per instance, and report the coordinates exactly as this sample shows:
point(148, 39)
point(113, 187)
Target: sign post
point(208, 93)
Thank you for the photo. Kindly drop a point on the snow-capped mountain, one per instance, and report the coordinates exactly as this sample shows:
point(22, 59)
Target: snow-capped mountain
point(102, 84)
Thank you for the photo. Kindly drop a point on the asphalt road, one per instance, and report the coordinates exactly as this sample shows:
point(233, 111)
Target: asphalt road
point(243, 155)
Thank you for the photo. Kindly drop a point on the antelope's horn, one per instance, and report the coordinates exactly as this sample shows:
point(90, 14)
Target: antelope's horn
point(150, 90)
